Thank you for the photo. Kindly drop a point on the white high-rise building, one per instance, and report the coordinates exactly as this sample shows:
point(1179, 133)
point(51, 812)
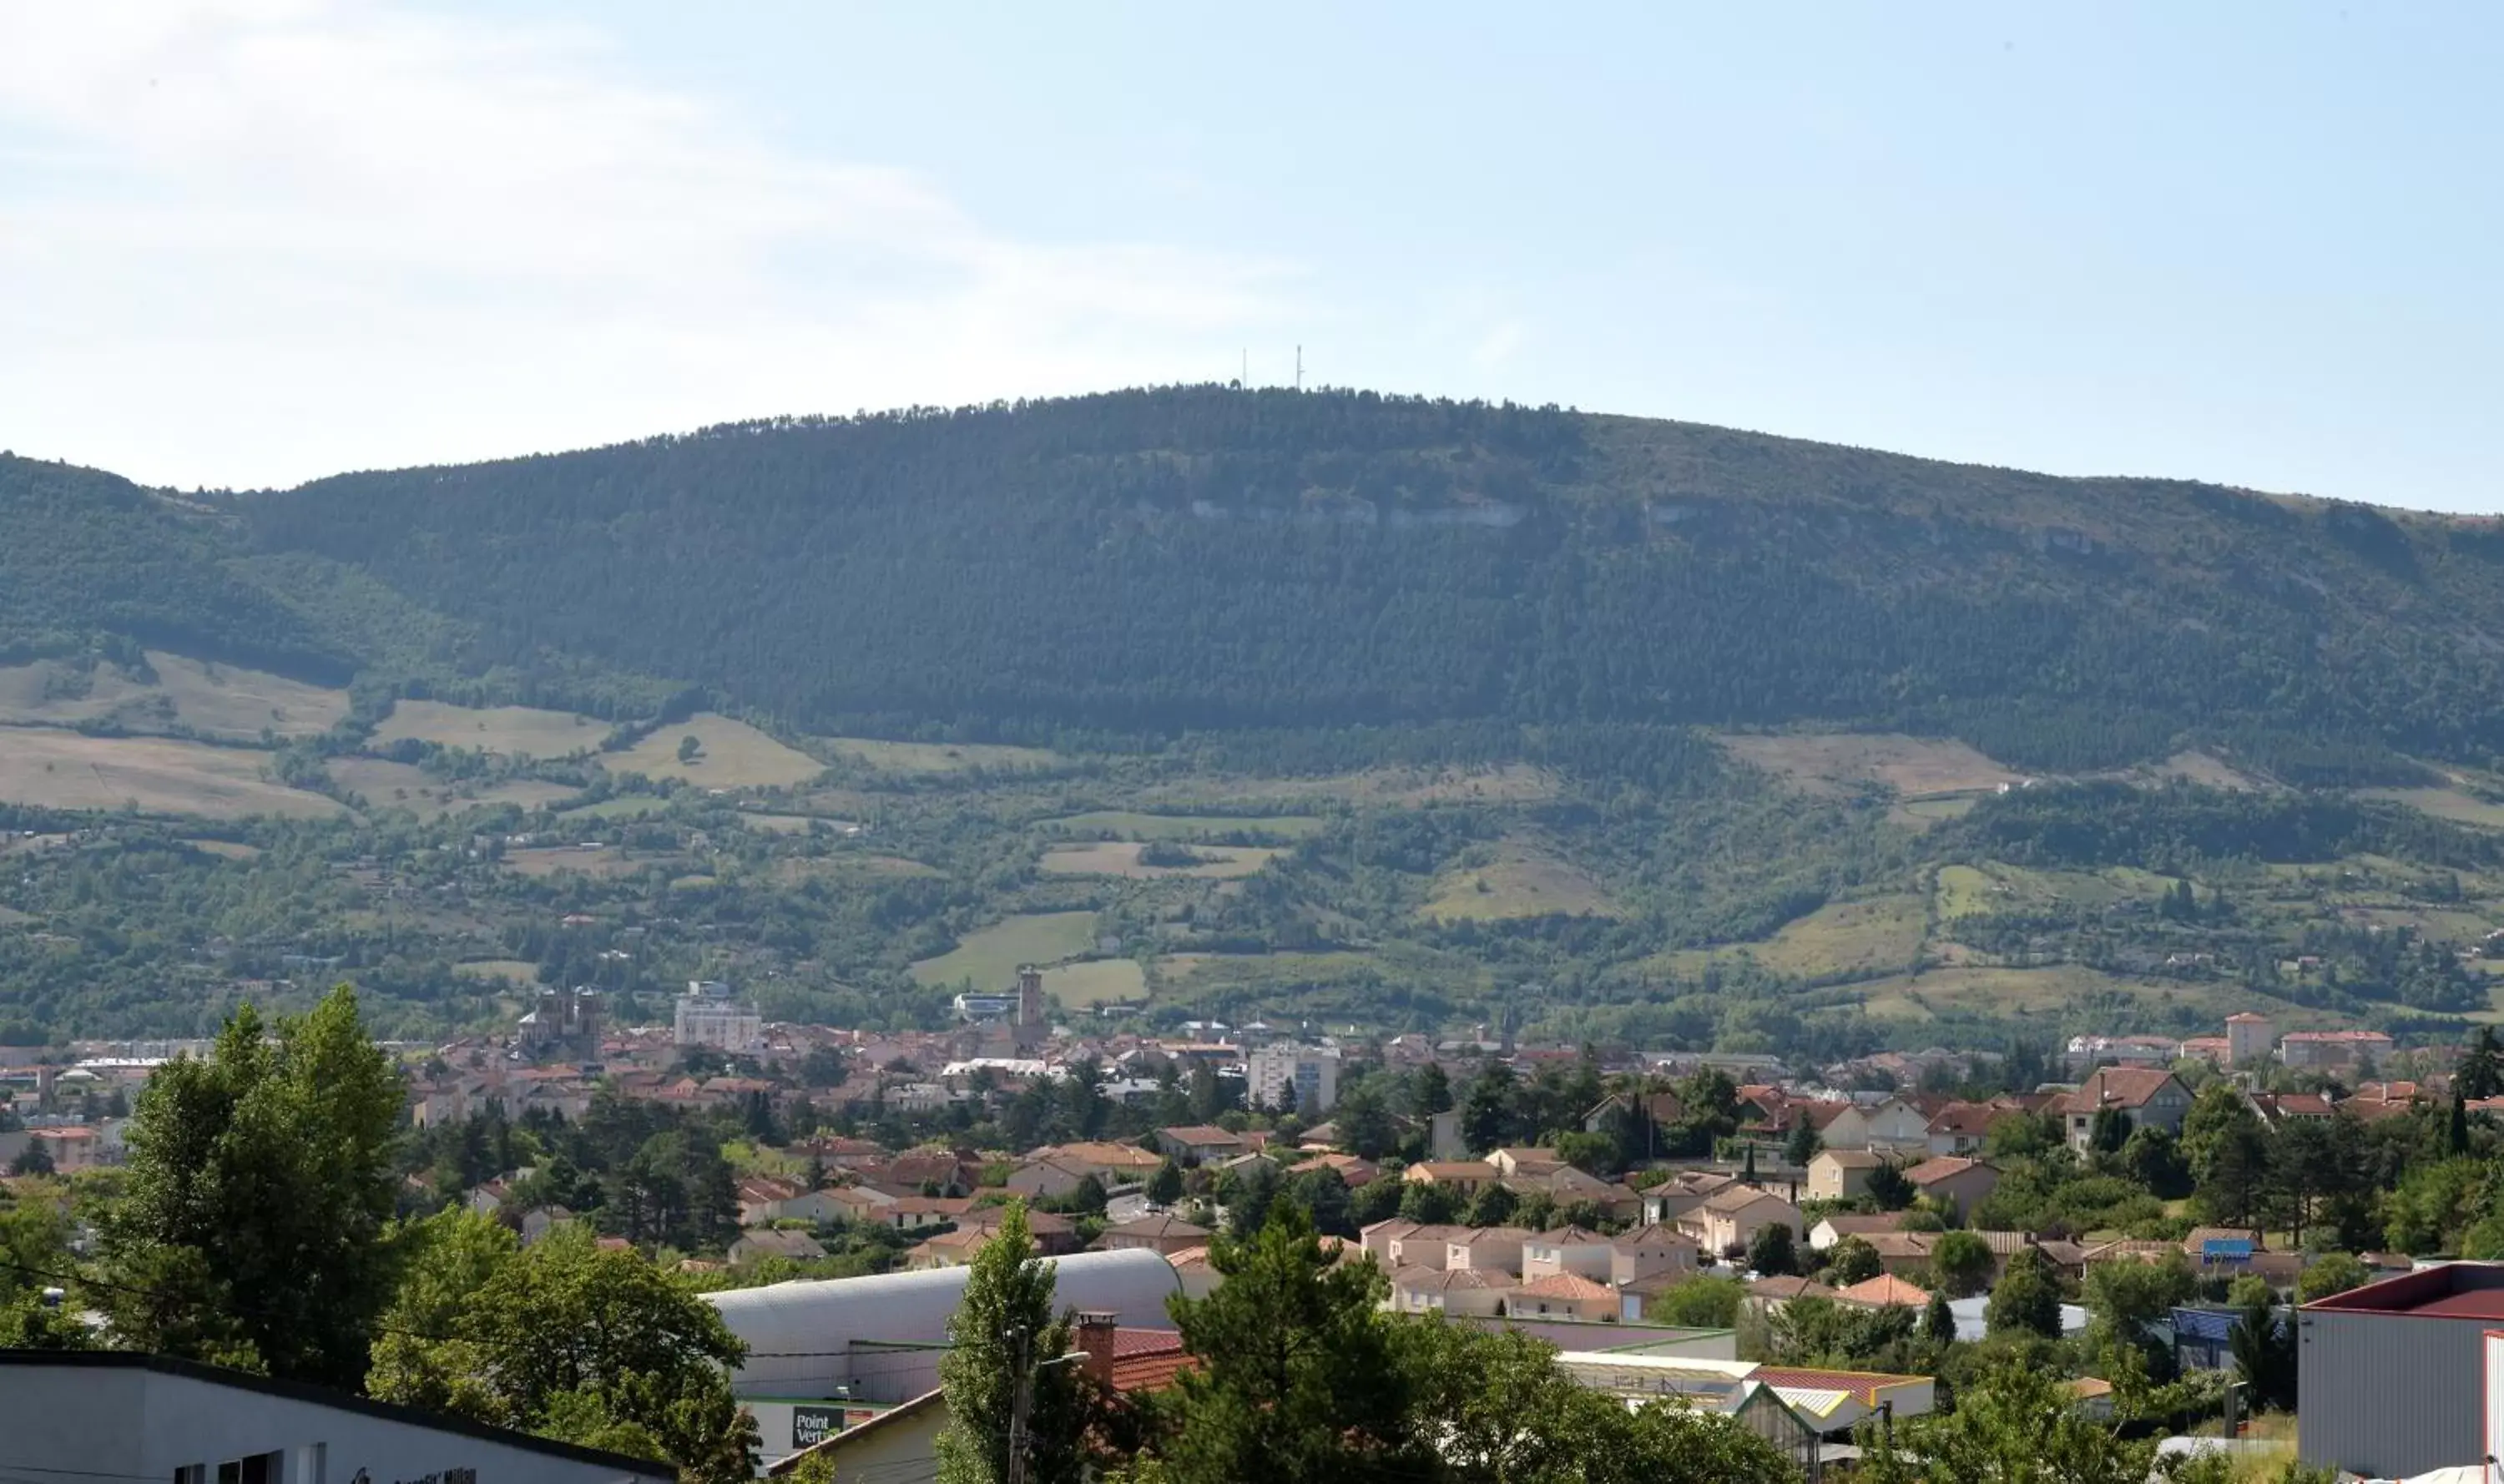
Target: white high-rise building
point(1303, 1076)
point(707, 1016)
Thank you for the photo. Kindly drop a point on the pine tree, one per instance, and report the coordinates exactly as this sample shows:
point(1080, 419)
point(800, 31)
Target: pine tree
point(1297, 1381)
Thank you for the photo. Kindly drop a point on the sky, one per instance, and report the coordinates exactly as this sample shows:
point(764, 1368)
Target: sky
point(249, 242)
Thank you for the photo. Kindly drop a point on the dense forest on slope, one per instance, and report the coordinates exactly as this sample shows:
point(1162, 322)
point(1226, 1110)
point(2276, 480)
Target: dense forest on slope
point(90, 562)
point(1149, 563)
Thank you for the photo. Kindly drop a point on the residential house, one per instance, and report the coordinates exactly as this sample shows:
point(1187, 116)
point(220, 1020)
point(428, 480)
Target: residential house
point(538, 1221)
point(1530, 1163)
point(1889, 1124)
point(1964, 1128)
point(1841, 1174)
point(860, 1203)
point(1199, 1144)
point(1569, 1296)
point(1835, 1229)
point(1660, 1110)
point(1110, 1162)
point(1647, 1252)
point(1729, 1220)
point(1162, 1232)
point(2145, 1097)
point(1953, 1183)
point(1884, 1292)
point(1494, 1248)
point(1351, 1170)
point(1423, 1246)
point(1568, 1250)
point(1049, 1179)
point(761, 1198)
point(912, 1213)
point(1664, 1203)
point(1464, 1177)
point(757, 1246)
point(1471, 1290)
point(1055, 1235)
point(1901, 1251)
point(1768, 1294)
point(2276, 1107)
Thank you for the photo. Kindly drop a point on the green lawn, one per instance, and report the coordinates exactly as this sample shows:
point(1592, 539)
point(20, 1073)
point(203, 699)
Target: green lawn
point(1131, 824)
point(990, 957)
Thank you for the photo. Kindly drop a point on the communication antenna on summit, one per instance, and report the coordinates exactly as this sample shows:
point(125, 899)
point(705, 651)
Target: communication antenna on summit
point(1299, 368)
point(1246, 383)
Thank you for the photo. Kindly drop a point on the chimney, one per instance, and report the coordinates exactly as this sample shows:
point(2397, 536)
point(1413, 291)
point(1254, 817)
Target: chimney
point(1095, 1335)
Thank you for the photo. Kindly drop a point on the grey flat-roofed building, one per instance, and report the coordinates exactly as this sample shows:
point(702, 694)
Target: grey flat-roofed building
point(2391, 1378)
point(107, 1415)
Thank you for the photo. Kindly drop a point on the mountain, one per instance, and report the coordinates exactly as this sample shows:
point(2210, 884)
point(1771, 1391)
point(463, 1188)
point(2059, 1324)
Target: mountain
point(1266, 705)
point(1147, 562)
point(89, 559)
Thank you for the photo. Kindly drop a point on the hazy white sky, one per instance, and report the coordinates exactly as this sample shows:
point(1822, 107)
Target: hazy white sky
point(249, 242)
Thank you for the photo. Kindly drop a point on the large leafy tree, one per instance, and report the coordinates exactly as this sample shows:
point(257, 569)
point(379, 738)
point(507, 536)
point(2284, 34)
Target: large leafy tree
point(1502, 1412)
point(568, 1339)
point(2020, 1425)
point(1003, 1337)
point(2028, 1297)
point(1296, 1381)
point(260, 1186)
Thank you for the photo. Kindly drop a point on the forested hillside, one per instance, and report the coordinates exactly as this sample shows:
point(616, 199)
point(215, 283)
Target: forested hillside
point(1409, 715)
point(93, 563)
point(1146, 562)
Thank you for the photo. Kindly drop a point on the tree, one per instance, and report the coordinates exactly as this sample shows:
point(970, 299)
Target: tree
point(2018, 1426)
point(1962, 1263)
point(1430, 1092)
point(1771, 1250)
point(1494, 1205)
point(1376, 1200)
point(1938, 1321)
point(1487, 1114)
point(1246, 1193)
point(2480, 1074)
point(253, 1225)
point(1364, 1126)
point(2028, 1297)
point(2152, 1158)
point(1501, 1411)
point(689, 748)
point(567, 1337)
point(1428, 1202)
point(1802, 1145)
point(2333, 1272)
point(1324, 1194)
point(33, 1160)
point(1705, 1301)
point(1890, 1188)
point(2128, 1299)
point(1164, 1187)
point(1004, 1336)
point(2265, 1354)
point(1852, 1260)
point(2232, 1170)
point(1297, 1381)
point(2109, 1131)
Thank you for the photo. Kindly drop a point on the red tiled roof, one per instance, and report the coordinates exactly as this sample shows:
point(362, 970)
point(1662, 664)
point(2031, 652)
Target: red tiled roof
point(1886, 1291)
point(1575, 1285)
point(1944, 1167)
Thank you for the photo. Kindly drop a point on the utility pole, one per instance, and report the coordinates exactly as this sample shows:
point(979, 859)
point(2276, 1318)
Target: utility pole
point(1023, 1400)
